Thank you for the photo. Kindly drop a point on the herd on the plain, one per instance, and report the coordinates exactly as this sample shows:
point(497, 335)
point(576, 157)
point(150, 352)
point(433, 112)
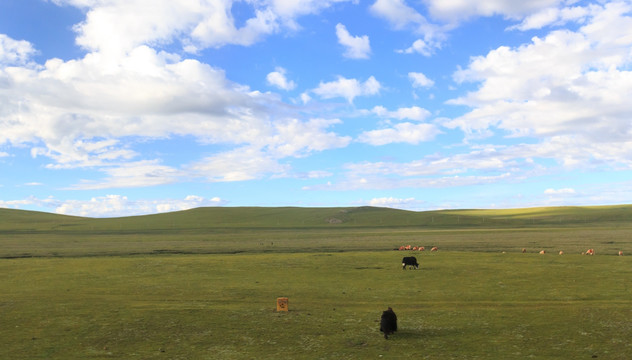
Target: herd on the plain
point(388, 321)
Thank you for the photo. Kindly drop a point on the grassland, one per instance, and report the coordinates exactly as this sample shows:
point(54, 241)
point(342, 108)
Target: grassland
point(253, 230)
point(202, 284)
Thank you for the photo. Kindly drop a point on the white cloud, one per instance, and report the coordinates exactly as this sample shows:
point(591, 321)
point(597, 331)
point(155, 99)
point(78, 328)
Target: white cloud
point(420, 80)
point(566, 84)
point(565, 191)
point(551, 16)
point(347, 88)
point(402, 132)
point(291, 9)
point(318, 174)
point(88, 112)
point(458, 10)
point(238, 165)
point(277, 78)
point(133, 174)
point(412, 113)
point(397, 203)
point(357, 47)
point(291, 138)
point(403, 17)
point(421, 47)
point(118, 205)
point(294, 138)
point(14, 52)
point(114, 27)
point(397, 12)
point(112, 205)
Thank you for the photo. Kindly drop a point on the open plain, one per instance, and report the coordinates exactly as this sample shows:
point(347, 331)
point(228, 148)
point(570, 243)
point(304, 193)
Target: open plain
point(202, 284)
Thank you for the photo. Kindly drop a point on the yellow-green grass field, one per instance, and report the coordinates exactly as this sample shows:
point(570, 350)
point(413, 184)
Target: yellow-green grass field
point(141, 288)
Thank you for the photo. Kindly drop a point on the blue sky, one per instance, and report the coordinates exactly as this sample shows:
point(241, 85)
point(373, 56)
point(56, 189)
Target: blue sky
point(128, 107)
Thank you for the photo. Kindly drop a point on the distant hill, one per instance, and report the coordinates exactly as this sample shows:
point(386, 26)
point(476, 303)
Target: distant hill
point(333, 217)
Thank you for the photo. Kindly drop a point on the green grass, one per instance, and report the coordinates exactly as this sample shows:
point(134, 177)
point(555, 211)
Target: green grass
point(458, 305)
point(202, 284)
point(284, 230)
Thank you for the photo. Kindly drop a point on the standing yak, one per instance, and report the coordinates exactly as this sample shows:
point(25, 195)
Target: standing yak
point(388, 323)
point(410, 261)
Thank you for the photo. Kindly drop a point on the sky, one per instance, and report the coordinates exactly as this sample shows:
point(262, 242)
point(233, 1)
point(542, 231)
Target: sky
point(128, 107)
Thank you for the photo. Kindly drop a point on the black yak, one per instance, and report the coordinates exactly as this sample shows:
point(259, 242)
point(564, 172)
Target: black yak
point(409, 261)
point(388, 323)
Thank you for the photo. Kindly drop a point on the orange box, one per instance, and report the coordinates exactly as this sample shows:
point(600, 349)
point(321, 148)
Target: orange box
point(282, 304)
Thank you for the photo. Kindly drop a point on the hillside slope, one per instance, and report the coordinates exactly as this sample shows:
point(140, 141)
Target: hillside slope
point(337, 217)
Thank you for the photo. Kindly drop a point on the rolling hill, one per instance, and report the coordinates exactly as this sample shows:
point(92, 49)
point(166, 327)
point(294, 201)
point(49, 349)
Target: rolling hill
point(337, 217)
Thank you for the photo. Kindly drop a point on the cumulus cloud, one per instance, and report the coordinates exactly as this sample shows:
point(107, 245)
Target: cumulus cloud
point(405, 132)
point(421, 47)
point(402, 132)
point(113, 205)
point(78, 111)
point(458, 10)
point(566, 84)
point(397, 203)
point(356, 47)
point(412, 113)
point(397, 12)
point(404, 17)
point(241, 164)
point(118, 205)
point(290, 138)
point(277, 78)
point(565, 191)
point(14, 52)
point(420, 80)
point(92, 111)
point(133, 174)
point(551, 16)
point(348, 88)
point(114, 26)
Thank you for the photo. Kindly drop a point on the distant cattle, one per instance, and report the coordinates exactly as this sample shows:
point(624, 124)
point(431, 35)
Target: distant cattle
point(434, 248)
point(561, 252)
point(388, 322)
point(524, 250)
point(620, 253)
point(542, 252)
point(409, 261)
point(590, 252)
point(421, 248)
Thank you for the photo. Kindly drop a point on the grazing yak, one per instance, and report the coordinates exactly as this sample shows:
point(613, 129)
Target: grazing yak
point(410, 261)
point(388, 323)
